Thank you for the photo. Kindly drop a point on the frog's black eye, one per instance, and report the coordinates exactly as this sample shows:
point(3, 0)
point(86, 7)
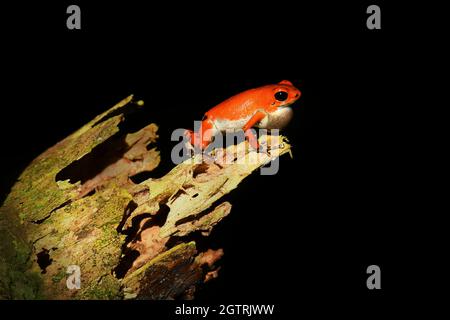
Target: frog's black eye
point(281, 95)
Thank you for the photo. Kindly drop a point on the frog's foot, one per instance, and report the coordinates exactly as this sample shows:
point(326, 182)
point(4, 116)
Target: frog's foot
point(252, 139)
point(188, 139)
point(188, 134)
point(209, 156)
point(198, 141)
point(264, 147)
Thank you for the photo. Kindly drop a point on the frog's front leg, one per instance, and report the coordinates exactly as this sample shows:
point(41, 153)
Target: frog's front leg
point(252, 139)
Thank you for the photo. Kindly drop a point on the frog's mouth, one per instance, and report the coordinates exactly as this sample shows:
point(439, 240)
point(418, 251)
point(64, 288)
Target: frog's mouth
point(287, 104)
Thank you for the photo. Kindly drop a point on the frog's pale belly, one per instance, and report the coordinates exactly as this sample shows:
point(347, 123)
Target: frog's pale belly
point(230, 125)
point(274, 120)
point(277, 120)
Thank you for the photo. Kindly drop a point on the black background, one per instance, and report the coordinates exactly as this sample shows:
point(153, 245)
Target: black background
point(301, 239)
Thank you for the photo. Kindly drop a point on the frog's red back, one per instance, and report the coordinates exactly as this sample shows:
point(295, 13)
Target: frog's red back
point(247, 102)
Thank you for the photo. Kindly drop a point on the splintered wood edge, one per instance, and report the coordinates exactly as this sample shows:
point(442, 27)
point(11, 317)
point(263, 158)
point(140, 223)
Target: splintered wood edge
point(220, 183)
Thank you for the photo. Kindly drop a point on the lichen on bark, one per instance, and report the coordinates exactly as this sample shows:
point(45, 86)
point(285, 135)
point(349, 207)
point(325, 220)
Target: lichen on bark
point(76, 205)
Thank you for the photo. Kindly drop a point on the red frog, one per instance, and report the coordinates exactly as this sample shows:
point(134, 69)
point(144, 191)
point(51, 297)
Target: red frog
point(265, 107)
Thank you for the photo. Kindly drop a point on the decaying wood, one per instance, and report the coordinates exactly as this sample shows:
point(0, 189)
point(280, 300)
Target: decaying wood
point(119, 233)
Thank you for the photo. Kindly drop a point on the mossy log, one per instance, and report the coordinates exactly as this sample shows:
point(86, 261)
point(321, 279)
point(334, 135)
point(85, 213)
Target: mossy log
point(128, 239)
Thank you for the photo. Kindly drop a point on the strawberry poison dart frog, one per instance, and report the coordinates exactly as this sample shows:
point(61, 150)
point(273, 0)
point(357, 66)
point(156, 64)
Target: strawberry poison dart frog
point(265, 107)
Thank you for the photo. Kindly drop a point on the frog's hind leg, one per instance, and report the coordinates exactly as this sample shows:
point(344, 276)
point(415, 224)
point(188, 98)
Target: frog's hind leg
point(207, 132)
point(203, 137)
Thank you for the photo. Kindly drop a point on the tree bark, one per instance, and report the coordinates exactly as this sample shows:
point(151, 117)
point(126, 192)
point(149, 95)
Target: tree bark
point(75, 205)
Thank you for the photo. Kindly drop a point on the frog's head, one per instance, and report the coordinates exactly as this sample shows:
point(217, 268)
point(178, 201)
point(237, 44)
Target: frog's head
point(284, 94)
